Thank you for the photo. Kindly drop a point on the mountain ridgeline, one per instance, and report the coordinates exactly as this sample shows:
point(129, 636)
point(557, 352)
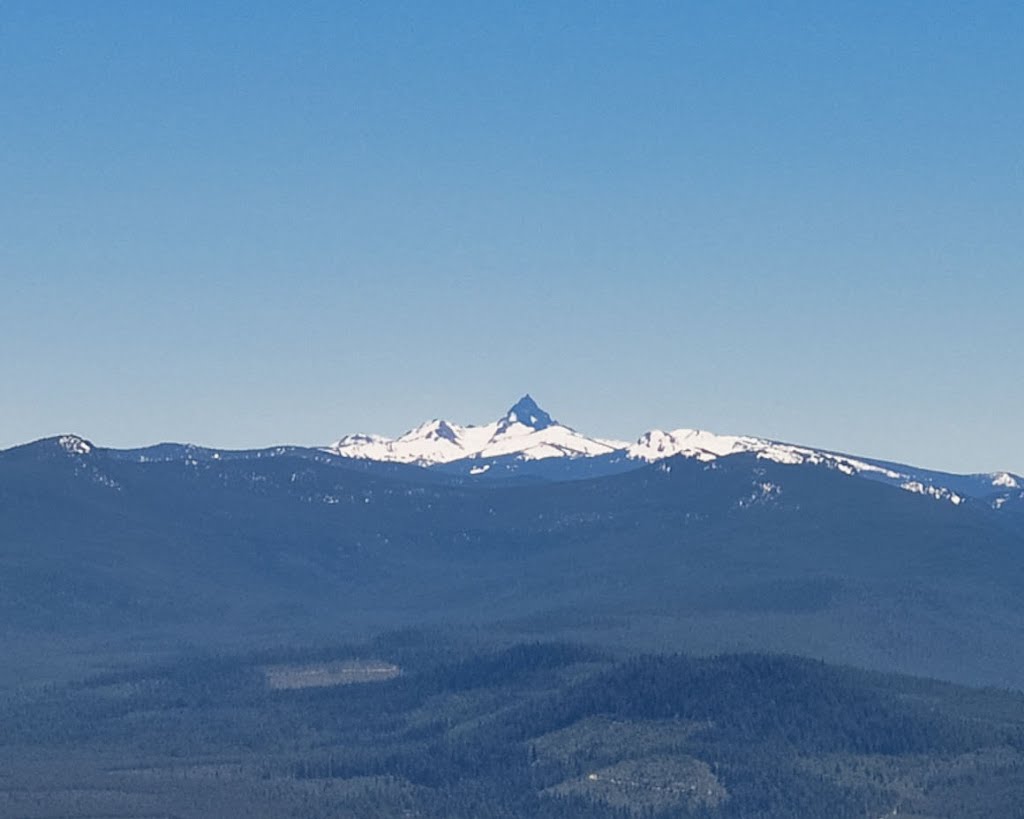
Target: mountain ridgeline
point(684, 541)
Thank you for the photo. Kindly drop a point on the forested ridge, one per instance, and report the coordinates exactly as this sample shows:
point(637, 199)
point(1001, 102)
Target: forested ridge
point(537, 729)
point(104, 555)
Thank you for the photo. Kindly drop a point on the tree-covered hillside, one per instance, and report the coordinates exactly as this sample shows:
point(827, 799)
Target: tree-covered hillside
point(532, 730)
point(100, 555)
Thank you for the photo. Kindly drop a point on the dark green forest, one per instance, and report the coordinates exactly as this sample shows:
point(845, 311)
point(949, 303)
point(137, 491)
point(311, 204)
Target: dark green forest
point(524, 730)
point(196, 639)
point(104, 560)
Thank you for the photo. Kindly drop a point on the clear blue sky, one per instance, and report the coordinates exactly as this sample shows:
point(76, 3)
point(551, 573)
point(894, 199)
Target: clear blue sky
point(245, 223)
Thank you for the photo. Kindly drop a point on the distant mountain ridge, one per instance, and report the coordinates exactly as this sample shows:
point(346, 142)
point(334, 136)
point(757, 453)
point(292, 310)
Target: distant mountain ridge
point(527, 435)
point(527, 443)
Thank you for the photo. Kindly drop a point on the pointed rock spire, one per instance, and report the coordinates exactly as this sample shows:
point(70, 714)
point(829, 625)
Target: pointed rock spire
point(526, 411)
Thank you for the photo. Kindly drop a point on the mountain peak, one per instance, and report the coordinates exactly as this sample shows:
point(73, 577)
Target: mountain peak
point(48, 448)
point(527, 412)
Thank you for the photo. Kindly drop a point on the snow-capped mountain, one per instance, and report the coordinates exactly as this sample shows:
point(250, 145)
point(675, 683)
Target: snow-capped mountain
point(526, 441)
point(526, 432)
point(708, 446)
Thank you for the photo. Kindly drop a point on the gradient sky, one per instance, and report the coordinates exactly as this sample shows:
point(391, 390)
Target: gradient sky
point(246, 223)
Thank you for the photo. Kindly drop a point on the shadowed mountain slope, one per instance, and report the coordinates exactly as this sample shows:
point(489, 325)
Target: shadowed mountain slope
point(734, 554)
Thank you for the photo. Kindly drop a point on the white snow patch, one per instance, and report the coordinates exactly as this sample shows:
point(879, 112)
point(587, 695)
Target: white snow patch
point(937, 492)
point(74, 445)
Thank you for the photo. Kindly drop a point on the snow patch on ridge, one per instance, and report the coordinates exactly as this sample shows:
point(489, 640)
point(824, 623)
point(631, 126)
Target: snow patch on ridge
point(708, 446)
point(1005, 480)
point(74, 445)
point(936, 492)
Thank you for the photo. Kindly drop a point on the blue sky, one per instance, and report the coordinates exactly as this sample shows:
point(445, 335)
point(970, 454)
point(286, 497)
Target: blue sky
point(245, 223)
